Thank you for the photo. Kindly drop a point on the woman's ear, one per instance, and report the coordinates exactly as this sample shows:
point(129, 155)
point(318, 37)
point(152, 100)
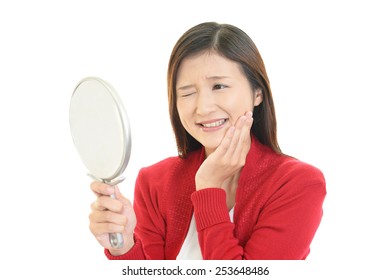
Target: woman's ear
point(258, 97)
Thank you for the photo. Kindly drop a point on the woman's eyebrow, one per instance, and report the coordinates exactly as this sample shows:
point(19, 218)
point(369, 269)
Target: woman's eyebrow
point(185, 87)
point(217, 77)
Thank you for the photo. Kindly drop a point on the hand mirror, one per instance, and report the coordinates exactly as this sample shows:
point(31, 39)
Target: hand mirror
point(101, 134)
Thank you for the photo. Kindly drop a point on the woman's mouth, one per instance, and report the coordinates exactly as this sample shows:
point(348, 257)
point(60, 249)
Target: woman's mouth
point(212, 124)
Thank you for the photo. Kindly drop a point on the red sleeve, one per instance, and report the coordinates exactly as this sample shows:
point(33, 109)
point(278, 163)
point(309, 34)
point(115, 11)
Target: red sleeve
point(284, 228)
point(149, 231)
point(135, 253)
point(215, 230)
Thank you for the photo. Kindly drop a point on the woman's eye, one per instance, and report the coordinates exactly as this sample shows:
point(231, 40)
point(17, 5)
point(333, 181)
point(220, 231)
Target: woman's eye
point(187, 94)
point(219, 86)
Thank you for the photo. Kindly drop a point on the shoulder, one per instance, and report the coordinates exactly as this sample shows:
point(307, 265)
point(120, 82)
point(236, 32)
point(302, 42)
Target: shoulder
point(293, 169)
point(288, 180)
point(279, 172)
point(152, 181)
point(268, 175)
point(264, 163)
point(161, 169)
point(296, 180)
point(168, 180)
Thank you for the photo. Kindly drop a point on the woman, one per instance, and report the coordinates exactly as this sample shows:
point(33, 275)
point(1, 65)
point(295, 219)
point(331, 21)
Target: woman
point(231, 193)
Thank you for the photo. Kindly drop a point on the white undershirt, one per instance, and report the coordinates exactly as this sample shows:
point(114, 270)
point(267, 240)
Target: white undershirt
point(190, 250)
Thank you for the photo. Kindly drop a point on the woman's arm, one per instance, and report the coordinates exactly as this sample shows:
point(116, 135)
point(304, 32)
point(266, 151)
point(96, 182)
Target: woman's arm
point(283, 229)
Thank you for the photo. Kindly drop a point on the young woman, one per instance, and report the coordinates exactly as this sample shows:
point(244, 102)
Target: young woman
point(231, 193)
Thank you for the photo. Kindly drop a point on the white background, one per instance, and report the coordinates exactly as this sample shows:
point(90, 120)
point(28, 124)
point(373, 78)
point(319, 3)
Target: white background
point(328, 63)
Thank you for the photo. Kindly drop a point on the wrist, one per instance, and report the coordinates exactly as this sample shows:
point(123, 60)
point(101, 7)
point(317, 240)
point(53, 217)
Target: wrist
point(203, 184)
point(126, 248)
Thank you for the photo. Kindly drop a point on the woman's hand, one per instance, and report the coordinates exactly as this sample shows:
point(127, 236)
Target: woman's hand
point(228, 158)
point(111, 215)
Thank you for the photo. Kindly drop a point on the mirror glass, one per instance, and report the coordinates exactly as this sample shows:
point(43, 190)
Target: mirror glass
point(100, 128)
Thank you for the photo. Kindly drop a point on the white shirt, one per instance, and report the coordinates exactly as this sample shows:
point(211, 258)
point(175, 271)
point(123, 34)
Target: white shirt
point(190, 249)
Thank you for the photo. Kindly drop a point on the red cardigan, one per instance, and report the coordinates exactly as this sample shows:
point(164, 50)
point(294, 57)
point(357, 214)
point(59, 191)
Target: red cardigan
point(277, 212)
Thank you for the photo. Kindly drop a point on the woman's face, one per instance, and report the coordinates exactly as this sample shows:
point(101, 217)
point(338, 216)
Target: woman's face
point(212, 93)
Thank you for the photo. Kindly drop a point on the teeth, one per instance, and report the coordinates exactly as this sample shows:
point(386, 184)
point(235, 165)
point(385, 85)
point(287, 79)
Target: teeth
point(214, 124)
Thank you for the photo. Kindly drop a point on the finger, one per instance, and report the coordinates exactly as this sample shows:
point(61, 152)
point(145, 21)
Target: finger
point(100, 188)
point(120, 197)
point(243, 144)
point(236, 137)
point(245, 133)
point(225, 143)
point(103, 228)
point(107, 217)
point(249, 120)
point(107, 203)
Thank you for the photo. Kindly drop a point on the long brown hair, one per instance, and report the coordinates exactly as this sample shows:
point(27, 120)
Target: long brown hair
point(234, 44)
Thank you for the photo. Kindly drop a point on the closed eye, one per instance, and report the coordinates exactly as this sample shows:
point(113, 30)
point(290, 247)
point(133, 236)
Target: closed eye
point(187, 94)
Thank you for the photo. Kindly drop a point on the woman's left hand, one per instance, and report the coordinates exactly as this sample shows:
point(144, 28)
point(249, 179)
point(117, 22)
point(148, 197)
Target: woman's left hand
point(228, 158)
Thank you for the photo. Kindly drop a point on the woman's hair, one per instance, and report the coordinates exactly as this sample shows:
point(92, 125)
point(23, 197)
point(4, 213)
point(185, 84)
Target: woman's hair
point(234, 44)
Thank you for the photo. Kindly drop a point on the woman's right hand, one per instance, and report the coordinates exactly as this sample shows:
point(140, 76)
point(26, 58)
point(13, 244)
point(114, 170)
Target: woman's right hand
point(110, 215)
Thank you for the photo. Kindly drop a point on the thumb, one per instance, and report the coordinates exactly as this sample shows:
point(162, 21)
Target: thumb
point(119, 196)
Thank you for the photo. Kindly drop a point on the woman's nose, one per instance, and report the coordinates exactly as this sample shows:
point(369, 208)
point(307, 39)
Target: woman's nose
point(205, 103)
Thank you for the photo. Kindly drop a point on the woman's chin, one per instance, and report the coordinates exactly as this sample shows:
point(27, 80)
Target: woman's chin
point(211, 146)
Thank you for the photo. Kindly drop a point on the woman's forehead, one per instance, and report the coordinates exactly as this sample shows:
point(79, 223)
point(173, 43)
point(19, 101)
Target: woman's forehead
point(208, 65)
